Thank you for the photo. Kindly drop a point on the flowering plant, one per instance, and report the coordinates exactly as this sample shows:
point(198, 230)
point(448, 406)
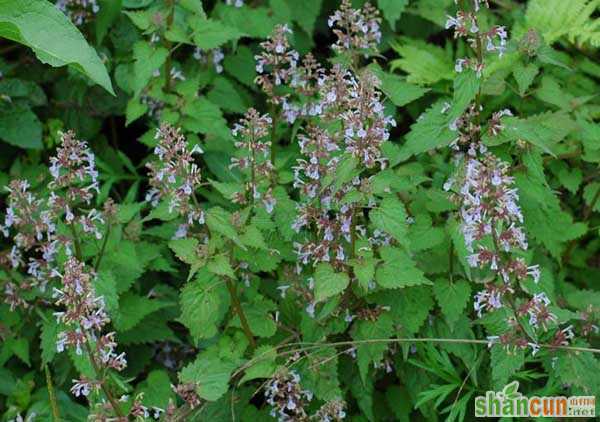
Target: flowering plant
point(299, 211)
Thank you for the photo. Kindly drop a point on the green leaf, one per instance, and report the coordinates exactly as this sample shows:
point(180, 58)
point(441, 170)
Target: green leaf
point(452, 298)
point(368, 353)
point(543, 130)
point(429, 132)
point(396, 88)
point(505, 365)
point(204, 303)
point(398, 270)
point(328, 283)
point(390, 217)
point(210, 374)
point(220, 265)
point(544, 217)
point(48, 337)
point(305, 13)
point(108, 13)
point(148, 58)
point(209, 34)
point(219, 221)
point(105, 285)
point(409, 307)
point(260, 319)
point(20, 347)
point(425, 63)
point(19, 126)
point(157, 389)
point(264, 365)
point(52, 37)
point(133, 309)
point(466, 87)
point(422, 235)
point(524, 75)
point(125, 262)
point(392, 9)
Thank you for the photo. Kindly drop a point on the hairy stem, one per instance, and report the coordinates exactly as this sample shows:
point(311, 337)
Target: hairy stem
point(235, 302)
point(52, 395)
point(102, 248)
point(113, 402)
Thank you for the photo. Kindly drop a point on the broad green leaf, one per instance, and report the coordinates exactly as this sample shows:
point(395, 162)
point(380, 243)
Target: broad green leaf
point(398, 270)
point(210, 374)
point(263, 366)
point(148, 58)
point(392, 9)
point(219, 221)
point(48, 337)
point(409, 307)
point(429, 132)
point(19, 126)
point(368, 353)
point(524, 75)
point(424, 63)
point(133, 309)
point(504, 364)
point(52, 37)
point(305, 13)
point(390, 217)
point(328, 282)
point(220, 265)
point(396, 88)
point(204, 303)
point(259, 316)
point(210, 34)
point(157, 389)
point(452, 298)
point(544, 217)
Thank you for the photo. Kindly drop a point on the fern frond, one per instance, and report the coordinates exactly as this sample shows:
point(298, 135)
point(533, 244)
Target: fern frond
point(571, 19)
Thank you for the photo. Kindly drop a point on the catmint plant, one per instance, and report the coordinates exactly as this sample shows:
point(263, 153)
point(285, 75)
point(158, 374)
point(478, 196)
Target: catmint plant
point(491, 218)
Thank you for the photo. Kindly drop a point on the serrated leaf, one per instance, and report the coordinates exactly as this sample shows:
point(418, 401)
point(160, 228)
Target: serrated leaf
point(524, 75)
point(220, 265)
point(19, 126)
point(264, 365)
point(209, 34)
point(210, 374)
point(157, 389)
point(329, 283)
point(219, 220)
point(429, 132)
point(425, 63)
point(204, 303)
point(368, 353)
point(452, 298)
point(392, 10)
point(398, 270)
point(133, 309)
point(505, 365)
point(148, 58)
point(544, 217)
point(390, 217)
point(48, 337)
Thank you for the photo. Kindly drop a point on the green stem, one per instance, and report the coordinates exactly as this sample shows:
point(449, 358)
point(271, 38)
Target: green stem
point(113, 402)
point(275, 120)
point(168, 46)
point(76, 242)
point(235, 302)
point(52, 395)
point(102, 248)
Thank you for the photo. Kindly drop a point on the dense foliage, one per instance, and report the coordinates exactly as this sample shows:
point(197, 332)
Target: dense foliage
point(296, 210)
